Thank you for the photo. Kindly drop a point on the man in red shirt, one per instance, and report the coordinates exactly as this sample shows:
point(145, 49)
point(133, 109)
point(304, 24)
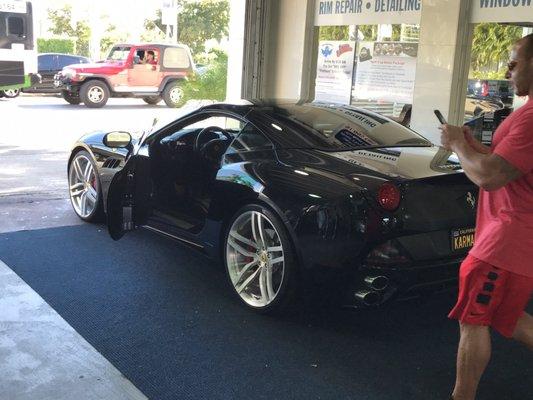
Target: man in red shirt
point(496, 279)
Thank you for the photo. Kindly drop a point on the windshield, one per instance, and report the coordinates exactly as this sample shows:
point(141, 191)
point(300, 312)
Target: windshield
point(336, 128)
point(119, 54)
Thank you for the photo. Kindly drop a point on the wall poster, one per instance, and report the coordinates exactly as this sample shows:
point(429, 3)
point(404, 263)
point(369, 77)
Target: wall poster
point(385, 71)
point(334, 71)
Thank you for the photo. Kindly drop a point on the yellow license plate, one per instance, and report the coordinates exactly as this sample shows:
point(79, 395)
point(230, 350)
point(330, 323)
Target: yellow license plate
point(462, 238)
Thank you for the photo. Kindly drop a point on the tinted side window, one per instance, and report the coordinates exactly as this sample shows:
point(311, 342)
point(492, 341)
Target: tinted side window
point(15, 26)
point(67, 60)
point(250, 139)
point(175, 57)
point(46, 63)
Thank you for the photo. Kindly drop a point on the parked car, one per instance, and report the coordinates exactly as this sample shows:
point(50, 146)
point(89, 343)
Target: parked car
point(478, 105)
point(283, 192)
point(127, 73)
point(49, 64)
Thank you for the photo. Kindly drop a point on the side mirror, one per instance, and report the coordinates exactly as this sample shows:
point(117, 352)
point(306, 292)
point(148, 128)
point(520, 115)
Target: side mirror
point(117, 139)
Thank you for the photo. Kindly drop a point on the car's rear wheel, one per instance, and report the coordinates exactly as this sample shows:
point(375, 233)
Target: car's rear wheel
point(152, 99)
point(84, 187)
point(94, 94)
point(70, 97)
point(260, 262)
point(173, 94)
point(11, 93)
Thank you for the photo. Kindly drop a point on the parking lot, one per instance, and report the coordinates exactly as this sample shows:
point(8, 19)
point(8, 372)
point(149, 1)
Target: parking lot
point(164, 317)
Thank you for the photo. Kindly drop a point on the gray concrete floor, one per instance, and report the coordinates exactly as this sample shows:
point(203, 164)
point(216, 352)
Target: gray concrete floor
point(41, 356)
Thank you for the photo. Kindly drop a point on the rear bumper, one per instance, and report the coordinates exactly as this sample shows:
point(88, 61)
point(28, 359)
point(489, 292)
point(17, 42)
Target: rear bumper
point(403, 282)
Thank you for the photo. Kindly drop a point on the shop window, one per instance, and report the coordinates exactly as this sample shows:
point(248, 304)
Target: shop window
point(369, 66)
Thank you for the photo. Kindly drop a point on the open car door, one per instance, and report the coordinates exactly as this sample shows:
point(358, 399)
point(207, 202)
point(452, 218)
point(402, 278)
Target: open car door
point(128, 198)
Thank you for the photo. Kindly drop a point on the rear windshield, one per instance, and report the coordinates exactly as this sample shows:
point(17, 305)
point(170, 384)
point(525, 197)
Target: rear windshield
point(119, 53)
point(336, 128)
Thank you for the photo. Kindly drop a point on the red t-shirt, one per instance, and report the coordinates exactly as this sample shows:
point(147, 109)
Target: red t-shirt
point(504, 226)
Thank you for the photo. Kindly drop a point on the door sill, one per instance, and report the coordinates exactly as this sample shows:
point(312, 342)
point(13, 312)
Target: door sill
point(151, 228)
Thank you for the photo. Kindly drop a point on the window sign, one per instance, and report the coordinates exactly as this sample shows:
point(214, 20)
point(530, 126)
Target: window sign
point(386, 71)
point(367, 12)
point(502, 11)
point(334, 71)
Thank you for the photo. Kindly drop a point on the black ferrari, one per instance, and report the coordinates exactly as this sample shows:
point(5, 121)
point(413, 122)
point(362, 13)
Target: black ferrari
point(284, 193)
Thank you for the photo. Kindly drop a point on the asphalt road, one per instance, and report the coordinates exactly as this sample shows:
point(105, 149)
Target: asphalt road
point(36, 135)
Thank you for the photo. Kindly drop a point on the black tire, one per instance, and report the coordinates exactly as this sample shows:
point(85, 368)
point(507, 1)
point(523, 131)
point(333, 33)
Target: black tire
point(11, 93)
point(285, 297)
point(70, 97)
point(97, 215)
point(1, 94)
point(153, 100)
point(94, 94)
point(173, 94)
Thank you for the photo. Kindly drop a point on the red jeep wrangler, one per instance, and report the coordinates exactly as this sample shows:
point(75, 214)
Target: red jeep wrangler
point(153, 72)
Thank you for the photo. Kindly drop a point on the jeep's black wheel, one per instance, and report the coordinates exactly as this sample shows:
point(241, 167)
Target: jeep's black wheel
point(173, 94)
point(70, 97)
point(11, 93)
point(94, 94)
point(152, 99)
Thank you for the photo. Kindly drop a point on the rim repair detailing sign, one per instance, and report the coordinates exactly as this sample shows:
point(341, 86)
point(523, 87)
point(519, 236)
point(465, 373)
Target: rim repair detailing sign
point(385, 71)
point(367, 12)
point(334, 71)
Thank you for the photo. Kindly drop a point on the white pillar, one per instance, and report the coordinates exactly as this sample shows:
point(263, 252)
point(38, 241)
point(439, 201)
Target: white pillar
point(235, 46)
point(442, 65)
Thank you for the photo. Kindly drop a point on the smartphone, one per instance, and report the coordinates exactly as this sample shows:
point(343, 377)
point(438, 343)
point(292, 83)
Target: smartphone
point(440, 117)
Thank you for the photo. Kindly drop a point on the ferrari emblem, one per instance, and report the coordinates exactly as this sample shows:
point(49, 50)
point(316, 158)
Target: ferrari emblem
point(471, 200)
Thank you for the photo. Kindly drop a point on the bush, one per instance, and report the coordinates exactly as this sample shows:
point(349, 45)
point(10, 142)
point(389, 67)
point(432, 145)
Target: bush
point(65, 46)
point(211, 85)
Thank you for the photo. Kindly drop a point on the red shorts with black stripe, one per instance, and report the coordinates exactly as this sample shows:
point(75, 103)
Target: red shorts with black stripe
point(491, 296)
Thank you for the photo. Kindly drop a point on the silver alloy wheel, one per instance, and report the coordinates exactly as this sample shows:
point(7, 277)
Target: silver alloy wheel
point(176, 94)
point(11, 92)
point(83, 186)
point(95, 94)
point(255, 259)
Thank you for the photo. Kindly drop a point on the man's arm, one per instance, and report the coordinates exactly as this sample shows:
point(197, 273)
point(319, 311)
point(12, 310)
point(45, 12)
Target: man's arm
point(477, 145)
point(488, 171)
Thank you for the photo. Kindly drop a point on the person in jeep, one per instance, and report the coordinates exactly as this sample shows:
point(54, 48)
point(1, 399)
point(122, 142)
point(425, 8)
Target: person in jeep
point(124, 73)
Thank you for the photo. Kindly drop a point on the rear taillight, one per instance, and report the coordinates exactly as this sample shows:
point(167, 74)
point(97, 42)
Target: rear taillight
point(389, 196)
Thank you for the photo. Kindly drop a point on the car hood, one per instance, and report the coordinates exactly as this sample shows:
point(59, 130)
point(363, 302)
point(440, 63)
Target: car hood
point(404, 163)
point(96, 67)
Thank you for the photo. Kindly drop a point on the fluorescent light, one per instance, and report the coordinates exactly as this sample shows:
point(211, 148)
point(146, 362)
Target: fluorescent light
point(316, 196)
point(301, 172)
point(276, 127)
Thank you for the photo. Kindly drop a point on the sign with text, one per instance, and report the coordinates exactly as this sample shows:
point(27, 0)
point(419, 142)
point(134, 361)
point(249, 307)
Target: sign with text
point(386, 71)
point(13, 6)
point(367, 12)
point(502, 11)
point(334, 71)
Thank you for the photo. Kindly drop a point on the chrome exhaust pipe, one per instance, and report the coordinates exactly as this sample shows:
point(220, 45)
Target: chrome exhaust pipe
point(377, 282)
point(368, 297)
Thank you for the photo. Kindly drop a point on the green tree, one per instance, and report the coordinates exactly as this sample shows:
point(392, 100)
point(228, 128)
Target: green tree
point(333, 33)
point(62, 25)
point(198, 22)
point(212, 84)
point(490, 49)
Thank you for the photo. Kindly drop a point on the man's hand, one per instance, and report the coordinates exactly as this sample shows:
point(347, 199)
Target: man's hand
point(451, 136)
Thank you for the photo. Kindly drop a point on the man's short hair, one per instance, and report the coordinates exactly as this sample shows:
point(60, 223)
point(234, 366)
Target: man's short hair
point(151, 52)
point(527, 45)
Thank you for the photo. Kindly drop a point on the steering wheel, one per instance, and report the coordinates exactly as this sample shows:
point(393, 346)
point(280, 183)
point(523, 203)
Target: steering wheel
point(207, 134)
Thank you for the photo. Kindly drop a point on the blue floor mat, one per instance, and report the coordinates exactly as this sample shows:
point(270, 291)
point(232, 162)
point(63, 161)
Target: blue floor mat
point(165, 317)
